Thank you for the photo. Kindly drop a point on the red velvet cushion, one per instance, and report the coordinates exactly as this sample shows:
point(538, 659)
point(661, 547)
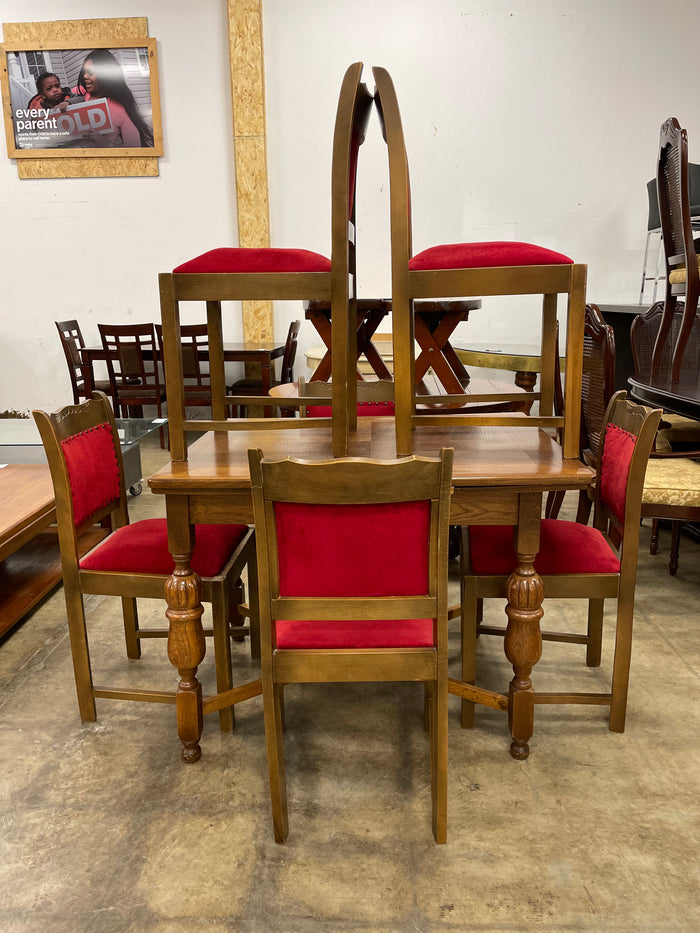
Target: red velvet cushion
point(565, 547)
point(93, 471)
point(143, 548)
point(364, 409)
point(353, 550)
point(618, 448)
point(412, 633)
point(248, 259)
point(486, 255)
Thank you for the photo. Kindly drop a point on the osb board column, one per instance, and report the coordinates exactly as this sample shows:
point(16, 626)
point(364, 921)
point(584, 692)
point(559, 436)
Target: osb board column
point(82, 33)
point(250, 150)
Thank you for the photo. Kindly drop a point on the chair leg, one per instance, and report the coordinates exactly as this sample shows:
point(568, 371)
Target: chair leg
point(595, 632)
point(222, 651)
point(131, 627)
point(654, 541)
point(80, 651)
point(554, 504)
point(583, 511)
point(272, 694)
point(621, 664)
point(675, 547)
point(437, 692)
point(472, 608)
point(254, 605)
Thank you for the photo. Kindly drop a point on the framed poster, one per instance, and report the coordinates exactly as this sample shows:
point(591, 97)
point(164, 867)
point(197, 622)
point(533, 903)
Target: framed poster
point(63, 102)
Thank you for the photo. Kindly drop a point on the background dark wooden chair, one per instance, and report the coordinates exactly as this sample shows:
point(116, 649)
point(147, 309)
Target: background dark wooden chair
point(255, 387)
point(133, 359)
point(328, 614)
point(84, 455)
point(672, 484)
point(574, 560)
point(597, 388)
point(682, 263)
point(80, 370)
point(195, 364)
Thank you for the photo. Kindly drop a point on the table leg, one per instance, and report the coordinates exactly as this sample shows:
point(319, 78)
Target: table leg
point(266, 382)
point(523, 641)
point(186, 645)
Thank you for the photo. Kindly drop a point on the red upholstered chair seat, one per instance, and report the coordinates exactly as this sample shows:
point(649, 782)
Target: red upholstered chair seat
point(250, 259)
point(143, 548)
point(486, 255)
point(323, 551)
point(565, 548)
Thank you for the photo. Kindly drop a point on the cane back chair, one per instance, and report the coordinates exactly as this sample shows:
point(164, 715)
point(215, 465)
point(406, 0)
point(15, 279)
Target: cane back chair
point(682, 263)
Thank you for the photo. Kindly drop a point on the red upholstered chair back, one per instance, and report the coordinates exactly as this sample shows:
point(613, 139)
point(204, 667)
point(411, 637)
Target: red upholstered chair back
point(323, 550)
point(625, 447)
point(93, 470)
point(84, 454)
point(340, 529)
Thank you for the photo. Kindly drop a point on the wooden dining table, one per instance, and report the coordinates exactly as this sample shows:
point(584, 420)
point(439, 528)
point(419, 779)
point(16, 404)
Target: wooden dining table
point(499, 477)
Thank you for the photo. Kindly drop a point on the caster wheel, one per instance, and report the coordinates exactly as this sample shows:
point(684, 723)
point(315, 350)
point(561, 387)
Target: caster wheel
point(136, 490)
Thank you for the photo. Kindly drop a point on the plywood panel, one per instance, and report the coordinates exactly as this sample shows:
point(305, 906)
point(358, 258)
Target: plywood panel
point(248, 102)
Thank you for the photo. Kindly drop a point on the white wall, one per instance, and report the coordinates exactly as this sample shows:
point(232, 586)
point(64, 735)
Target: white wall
point(92, 248)
point(536, 120)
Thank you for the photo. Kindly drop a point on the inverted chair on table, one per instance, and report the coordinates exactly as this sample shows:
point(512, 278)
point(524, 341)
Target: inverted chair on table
point(328, 615)
point(474, 269)
point(574, 560)
point(84, 455)
point(283, 274)
point(255, 386)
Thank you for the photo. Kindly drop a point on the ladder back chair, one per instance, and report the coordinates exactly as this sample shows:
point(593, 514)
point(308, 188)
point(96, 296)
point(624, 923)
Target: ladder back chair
point(274, 273)
point(574, 561)
point(133, 364)
point(330, 615)
point(85, 460)
point(255, 386)
point(682, 262)
point(82, 377)
point(196, 378)
point(474, 269)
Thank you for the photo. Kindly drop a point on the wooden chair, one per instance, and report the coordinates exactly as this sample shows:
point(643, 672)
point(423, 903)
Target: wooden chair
point(373, 398)
point(255, 386)
point(597, 388)
point(574, 560)
point(195, 364)
point(672, 483)
point(283, 274)
point(82, 377)
point(469, 269)
point(133, 365)
point(329, 615)
point(84, 455)
point(682, 262)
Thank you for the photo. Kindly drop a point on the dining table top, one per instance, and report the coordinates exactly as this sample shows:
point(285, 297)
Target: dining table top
point(483, 456)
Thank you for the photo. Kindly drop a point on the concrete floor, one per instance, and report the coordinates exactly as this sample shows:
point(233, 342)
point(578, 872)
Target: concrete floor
point(105, 830)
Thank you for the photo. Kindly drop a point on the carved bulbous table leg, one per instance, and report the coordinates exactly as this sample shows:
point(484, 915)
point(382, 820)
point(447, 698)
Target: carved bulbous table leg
point(186, 648)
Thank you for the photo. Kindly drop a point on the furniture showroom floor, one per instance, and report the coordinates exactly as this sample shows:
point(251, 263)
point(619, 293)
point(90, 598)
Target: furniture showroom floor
point(104, 828)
